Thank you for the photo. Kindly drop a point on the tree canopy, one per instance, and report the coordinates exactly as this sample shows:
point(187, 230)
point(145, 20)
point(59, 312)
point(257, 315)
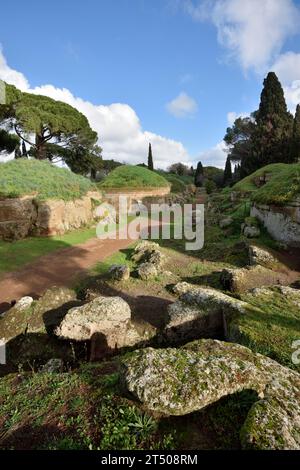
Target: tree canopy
point(54, 130)
point(8, 142)
point(295, 146)
point(199, 175)
point(150, 158)
point(269, 135)
point(227, 172)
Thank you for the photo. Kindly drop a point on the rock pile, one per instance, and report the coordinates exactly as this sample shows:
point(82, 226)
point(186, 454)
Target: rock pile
point(149, 258)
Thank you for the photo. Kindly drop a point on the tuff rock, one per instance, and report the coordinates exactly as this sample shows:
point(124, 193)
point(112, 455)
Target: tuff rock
point(106, 322)
point(260, 256)
point(243, 279)
point(119, 272)
point(184, 380)
point(147, 271)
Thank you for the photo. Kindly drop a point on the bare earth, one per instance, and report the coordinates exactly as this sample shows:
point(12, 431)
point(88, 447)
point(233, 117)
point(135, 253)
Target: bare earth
point(59, 268)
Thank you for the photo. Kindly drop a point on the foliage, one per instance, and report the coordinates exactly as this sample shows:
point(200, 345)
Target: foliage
point(199, 175)
point(177, 185)
point(273, 132)
point(46, 181)
point(227, 172)
point(150, 159)
point(210, 186)
point(295, 146)
point(239, 140)
point(214, 174)
point(127, 176)
point(124, 427)
point(179, 169)
point(57, 127)
point(8, 142)
point(268, 135)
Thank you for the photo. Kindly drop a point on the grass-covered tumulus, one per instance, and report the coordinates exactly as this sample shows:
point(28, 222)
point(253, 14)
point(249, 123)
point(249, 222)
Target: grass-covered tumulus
point(282, 184)
point(40, 178)
point(133, 177)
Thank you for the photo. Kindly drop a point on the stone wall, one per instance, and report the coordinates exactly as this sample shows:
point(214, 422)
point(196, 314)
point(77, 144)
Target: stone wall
point(282, 222)
point(134, 196)
point(27, 216)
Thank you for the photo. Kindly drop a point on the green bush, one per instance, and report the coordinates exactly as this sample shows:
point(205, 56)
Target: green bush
point(210, 186)
point(46, 181)
point(177, 186)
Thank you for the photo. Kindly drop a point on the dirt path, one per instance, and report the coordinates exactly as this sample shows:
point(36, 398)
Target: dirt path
point(59, 268)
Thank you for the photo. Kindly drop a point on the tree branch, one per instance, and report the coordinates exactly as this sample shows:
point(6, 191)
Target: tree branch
point(23, 138)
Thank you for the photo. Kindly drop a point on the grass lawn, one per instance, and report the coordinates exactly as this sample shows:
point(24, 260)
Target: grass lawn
point(272, 326)
point(14, 255)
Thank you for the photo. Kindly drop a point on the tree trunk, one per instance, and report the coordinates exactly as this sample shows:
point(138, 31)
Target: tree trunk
point(40, 147)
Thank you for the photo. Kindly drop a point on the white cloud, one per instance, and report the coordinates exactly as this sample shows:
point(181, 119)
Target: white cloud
point(287, 68)
point(182, 106)
point(232, 116)
point(253, 31)
point(292, 95)
point(12, 76)
point(118, 126)
point(215, 156)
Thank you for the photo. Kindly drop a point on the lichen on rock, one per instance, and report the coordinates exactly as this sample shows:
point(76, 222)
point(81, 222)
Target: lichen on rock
point(180, 381)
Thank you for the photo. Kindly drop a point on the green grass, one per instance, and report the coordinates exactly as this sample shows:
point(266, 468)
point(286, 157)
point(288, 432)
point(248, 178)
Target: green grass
point(133, 177)
point(283, 186)
point(177, 185)
point(14, 255)
point(82, 409)
point(271, 327)
point(46, 181)
point(120, 257)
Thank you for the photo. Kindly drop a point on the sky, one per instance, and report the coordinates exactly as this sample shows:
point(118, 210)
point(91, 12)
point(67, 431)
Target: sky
point(175, 73)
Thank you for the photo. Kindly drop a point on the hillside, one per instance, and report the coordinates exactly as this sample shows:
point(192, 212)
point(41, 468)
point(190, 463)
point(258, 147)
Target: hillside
point(177, 184)
point(23, 176)
point(282, 183)
point(133, 177)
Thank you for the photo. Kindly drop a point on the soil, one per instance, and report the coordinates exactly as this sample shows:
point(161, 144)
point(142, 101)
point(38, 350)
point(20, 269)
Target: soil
point(59, 268)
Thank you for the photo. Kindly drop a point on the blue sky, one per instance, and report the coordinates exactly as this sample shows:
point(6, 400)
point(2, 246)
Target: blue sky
point(166, 71)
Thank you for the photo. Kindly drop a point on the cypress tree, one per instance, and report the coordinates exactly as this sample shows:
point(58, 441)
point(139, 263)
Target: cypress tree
point(227, 172)
point(274, 124)
point(295, 145)
point(150, 158)
point(199, 175)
